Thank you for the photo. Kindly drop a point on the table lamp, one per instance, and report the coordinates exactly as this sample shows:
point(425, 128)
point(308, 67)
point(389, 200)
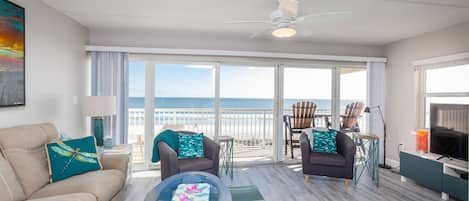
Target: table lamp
point(368, 110)
point(99, 107)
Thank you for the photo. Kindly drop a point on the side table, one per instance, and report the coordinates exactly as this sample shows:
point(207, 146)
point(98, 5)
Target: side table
point(121, 149)
point(226, 155)
point(367, 157)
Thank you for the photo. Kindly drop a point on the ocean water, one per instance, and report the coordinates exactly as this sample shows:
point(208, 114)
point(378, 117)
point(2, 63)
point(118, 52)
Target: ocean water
point(248, 103)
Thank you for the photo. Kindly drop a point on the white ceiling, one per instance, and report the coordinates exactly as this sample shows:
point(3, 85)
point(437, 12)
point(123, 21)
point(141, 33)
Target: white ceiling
point(374, 22)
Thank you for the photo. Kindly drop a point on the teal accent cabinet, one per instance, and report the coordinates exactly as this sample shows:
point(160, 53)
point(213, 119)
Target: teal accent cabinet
point(418, 167)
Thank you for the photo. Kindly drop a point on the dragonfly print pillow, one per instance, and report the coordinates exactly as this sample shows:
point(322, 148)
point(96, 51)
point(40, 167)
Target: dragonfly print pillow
point(72, 157)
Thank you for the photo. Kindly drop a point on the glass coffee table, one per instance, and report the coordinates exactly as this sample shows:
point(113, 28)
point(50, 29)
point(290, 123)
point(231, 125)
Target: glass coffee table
point(165, 190)
point(218, 190)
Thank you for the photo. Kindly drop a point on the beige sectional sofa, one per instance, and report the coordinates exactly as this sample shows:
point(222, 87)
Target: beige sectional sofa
point(24, 173)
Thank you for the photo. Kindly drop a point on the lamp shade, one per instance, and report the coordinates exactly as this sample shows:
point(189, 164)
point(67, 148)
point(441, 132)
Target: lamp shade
point(99, 106)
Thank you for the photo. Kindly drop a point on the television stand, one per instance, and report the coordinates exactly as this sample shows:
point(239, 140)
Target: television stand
point(446, 173)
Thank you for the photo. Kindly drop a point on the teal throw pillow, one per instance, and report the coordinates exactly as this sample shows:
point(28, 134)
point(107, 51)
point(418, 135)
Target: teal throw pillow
point(324, 141)
point(72, 157)
point(191, 145)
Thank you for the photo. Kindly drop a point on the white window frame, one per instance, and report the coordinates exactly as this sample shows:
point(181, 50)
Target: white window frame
point(423, 94)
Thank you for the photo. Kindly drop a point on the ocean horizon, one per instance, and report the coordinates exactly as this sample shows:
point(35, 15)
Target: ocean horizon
point(248, 103)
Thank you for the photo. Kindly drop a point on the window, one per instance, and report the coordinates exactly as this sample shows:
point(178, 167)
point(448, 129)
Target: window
point(445, 85)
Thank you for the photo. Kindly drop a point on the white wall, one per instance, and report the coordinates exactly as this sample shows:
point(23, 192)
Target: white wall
point(401, 98)
point(55, 58)
point(217, 41)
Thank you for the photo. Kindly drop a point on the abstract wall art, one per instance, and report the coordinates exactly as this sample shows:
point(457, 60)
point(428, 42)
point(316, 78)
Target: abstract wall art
point(12, 54)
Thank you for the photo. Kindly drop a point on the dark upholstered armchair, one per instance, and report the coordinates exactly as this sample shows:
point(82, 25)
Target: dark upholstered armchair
point(338, 165)
point(171, 165)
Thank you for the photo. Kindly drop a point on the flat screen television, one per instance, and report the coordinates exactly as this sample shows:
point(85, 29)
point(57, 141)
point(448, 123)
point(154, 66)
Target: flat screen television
point(449, 129)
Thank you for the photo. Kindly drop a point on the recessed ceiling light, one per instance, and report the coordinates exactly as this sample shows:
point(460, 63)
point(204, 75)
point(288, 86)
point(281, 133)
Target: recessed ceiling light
point(284, 32)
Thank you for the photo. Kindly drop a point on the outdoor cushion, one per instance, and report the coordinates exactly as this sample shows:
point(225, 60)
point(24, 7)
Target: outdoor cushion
point(72, 157)
point(191, 145)
point(103, 184)
point(69, 197)
point(23, 147)
point(10, 188)
point(194, 164)
point(327, 159)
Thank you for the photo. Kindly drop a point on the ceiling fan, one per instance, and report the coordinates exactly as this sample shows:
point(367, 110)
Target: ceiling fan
point(283, 19)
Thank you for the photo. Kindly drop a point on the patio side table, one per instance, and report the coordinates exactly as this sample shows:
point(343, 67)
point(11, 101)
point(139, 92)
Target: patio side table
point(367, 158)
point(226, 155)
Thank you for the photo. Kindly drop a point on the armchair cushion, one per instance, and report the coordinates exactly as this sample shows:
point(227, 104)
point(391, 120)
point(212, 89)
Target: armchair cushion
point(324, 141)
point(327, 159)
point(195, 164)
point(191, 145)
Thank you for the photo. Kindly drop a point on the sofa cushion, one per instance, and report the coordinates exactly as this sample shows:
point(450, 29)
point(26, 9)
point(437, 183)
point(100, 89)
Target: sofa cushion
point(10, 188)
point(69, 197)
point(194, 164)
point(72, 157)
point(327, 159)
point(103, 184)
point(23, 147)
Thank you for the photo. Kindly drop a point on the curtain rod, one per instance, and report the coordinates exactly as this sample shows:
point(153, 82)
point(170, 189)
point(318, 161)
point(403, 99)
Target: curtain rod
point(206, 52)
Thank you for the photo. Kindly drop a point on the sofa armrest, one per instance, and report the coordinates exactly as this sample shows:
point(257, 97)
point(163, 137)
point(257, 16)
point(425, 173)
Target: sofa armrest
point(168, 160)
point(305, 148)
point(212, 151)
point(117, 162)
point(346, 147)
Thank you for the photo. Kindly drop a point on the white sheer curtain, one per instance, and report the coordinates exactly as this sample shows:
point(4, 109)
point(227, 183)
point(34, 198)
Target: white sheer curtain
point(376, 97)
point(109, 77)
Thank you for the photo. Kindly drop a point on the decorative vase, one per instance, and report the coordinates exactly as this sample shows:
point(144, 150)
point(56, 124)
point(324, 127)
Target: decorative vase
point(99, 131)
point(422, 140)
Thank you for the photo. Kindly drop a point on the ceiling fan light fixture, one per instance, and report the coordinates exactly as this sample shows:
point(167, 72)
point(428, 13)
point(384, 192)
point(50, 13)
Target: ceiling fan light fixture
point(284, 32)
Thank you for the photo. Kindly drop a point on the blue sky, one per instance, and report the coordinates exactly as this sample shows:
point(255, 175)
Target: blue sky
point(181, 80)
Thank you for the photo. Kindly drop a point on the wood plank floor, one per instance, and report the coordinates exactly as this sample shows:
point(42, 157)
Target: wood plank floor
point(285, 182)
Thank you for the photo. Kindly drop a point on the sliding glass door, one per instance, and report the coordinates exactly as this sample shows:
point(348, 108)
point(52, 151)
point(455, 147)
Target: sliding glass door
point(136, 101)
point(245, 102)
point(309, 84)
point(246, 106)
point(184, 98)
point(312, 85)
point(353, 89)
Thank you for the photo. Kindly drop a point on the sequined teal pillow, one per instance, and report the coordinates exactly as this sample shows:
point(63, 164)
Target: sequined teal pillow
point(191, 145)
point(324, 141)
point(72, 157)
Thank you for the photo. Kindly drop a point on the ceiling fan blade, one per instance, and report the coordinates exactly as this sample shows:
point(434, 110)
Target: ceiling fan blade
point(302, 18)
point(248, 22)
point(433, 3)
point(290, 7)
point(259, 33)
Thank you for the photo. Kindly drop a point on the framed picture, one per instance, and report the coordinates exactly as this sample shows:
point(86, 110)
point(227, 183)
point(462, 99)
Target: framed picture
point(12, 54)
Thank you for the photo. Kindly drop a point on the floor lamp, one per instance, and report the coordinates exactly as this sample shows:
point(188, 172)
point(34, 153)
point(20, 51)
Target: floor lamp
point(368, 110)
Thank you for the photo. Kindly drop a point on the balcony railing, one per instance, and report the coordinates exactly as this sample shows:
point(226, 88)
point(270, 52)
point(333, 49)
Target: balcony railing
point(249, 127)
